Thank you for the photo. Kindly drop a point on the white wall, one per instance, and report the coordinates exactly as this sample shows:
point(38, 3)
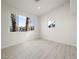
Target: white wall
point(65, 30)
point(12, 38)
point(73, 7)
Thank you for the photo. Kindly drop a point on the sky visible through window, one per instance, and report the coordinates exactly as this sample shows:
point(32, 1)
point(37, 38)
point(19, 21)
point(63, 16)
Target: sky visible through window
point(21, 21)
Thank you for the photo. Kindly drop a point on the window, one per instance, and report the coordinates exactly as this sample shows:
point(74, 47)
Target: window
point(21, 23)
point(51, 23)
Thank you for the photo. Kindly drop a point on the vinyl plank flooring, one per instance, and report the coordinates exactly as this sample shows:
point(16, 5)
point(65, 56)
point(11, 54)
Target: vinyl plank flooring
point(40, 49)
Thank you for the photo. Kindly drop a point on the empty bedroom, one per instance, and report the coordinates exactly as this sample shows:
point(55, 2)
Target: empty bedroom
point(38, 29)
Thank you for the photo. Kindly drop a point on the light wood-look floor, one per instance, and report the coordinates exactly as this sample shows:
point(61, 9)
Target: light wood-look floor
point(40, 49)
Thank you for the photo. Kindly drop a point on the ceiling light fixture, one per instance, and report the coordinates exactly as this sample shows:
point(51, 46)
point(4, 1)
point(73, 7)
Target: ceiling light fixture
point(37, 0)
point(38, 7)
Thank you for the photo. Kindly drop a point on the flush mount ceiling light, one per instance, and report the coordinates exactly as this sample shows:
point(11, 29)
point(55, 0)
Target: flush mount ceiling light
point(37, 0)
point(38, 7)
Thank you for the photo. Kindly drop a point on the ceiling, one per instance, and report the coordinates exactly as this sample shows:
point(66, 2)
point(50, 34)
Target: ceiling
point(37, 8)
